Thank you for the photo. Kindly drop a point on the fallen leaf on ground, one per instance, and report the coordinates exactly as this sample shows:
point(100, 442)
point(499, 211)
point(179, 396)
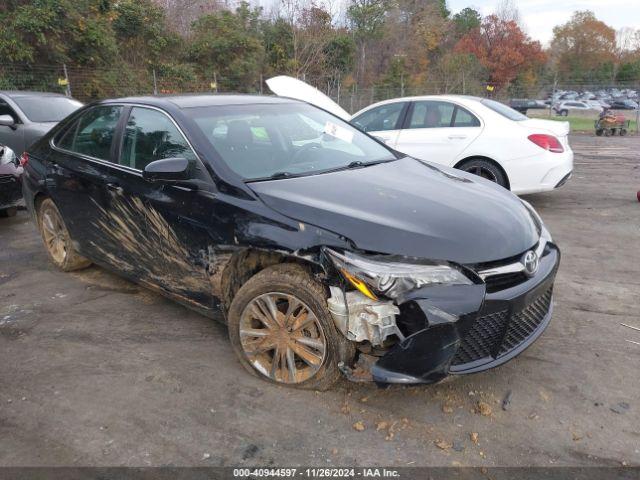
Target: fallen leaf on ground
point(359, 426)
point(483, 408)
point(474, 437)
point(443, 444)
point(447, 408)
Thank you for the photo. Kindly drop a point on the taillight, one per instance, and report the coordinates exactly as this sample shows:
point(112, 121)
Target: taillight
point(548, 142)
point(24, 159)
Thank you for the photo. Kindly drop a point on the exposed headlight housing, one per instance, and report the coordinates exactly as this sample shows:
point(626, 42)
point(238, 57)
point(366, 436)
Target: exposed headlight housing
point(389, 277)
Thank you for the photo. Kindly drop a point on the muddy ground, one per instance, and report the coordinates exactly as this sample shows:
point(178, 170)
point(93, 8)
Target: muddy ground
point(97, 371)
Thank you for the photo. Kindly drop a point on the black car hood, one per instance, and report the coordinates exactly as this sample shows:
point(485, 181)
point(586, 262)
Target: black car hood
point(407, 207)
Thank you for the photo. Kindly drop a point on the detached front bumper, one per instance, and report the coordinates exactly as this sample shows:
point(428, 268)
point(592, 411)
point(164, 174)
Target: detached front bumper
point(470, 330)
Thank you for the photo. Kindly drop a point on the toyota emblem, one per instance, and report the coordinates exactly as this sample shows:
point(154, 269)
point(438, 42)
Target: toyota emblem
point(530, 262)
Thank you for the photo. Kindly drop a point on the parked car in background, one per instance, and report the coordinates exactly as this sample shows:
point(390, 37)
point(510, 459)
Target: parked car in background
point(523, 105)
point(564, 108)
point(623, 104)
point(10, 182)
point(598, 104)
point(27, 116)
point(476, 135)
point(320, 247)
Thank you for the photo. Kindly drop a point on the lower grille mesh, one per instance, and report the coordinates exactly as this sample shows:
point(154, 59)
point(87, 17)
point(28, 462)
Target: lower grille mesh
point(497, 334)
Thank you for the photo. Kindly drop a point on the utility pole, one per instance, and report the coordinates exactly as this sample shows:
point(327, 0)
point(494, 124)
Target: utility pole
point(155, 83)
point(66, 77)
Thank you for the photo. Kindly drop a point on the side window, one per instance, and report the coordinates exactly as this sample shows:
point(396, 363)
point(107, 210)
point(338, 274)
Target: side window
point(464, 118)
point(380, 118)
point(150, 135)
point(5, 109)
point(431, 114)
point(93, 133)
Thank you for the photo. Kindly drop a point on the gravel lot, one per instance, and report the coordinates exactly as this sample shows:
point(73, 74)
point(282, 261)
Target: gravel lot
point(98, 371)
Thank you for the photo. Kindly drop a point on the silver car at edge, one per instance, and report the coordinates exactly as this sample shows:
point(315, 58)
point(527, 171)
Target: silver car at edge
point(27, 116)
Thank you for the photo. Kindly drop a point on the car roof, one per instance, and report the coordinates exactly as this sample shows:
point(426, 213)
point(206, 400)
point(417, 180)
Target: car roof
point(464, 99)
point(202, 100)
point(27, 93)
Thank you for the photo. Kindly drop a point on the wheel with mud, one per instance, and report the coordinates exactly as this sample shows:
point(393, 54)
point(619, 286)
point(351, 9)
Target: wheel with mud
point(282, 331)
point(57, 240)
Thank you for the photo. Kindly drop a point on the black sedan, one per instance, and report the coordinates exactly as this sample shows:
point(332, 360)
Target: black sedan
point(324, 251)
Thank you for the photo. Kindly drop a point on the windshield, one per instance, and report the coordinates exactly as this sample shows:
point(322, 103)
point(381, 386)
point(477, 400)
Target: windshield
point(262, 141)
point(503, 110)
point(46, 108)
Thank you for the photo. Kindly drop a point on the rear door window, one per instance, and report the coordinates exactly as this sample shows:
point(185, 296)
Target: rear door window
point(93, 133)
point(431, 114)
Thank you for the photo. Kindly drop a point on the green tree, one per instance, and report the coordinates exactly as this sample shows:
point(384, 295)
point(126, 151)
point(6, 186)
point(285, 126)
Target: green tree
point(466, 20)
point(229, 44)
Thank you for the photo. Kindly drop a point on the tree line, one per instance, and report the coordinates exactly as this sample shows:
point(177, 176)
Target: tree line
point(399, 44)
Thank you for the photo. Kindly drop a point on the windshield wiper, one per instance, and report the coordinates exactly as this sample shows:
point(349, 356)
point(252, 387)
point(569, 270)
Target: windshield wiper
point(279, 175)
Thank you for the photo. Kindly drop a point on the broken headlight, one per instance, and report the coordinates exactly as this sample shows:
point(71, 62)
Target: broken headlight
point(389, 277)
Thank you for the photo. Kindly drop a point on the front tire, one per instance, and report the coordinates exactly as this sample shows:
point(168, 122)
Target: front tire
point(57, 240)
point(282, 331)
point(485, 169)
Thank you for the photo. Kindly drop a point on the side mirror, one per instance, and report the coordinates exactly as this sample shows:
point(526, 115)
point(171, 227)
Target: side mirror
point(7, 121)
point(168, 170)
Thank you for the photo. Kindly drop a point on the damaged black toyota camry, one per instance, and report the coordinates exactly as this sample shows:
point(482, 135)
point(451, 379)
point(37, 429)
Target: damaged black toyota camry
point(325, 252)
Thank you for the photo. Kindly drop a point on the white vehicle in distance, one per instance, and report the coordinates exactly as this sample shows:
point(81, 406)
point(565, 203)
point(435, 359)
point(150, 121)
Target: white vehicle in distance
point(570, 106)
point(477, 135)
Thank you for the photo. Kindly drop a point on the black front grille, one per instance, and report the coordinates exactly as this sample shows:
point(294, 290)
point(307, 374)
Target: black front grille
point(524, 323)
point(497, 334)
point(495, 283)
point(481, 341)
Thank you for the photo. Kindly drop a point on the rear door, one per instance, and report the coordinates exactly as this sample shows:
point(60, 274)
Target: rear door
point(78, 171)
point(383, 121)
point(437, 131)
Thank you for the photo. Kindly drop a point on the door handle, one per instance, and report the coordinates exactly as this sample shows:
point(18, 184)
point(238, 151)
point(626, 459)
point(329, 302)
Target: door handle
point(457, 137)
point(114, 187)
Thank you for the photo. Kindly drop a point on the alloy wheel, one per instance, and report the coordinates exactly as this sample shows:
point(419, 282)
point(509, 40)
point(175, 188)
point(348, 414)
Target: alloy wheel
point(54, 234)
point(481, 171)
point(282, 338)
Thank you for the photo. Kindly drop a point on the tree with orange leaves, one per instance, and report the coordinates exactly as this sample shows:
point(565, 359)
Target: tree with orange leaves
point(503, 49)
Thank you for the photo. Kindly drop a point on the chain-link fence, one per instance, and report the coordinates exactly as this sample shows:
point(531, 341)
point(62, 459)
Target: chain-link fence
point(92, 83)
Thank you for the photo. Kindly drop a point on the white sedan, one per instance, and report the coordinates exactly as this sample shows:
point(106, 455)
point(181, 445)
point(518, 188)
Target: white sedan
point(477, 135)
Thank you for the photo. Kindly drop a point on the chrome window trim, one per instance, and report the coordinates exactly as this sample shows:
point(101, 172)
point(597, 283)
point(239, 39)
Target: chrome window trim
point(118, 166)
point(515, 267)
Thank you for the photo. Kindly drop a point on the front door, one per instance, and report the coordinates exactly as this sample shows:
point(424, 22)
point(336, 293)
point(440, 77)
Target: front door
point(383, 122)
point(163, 231)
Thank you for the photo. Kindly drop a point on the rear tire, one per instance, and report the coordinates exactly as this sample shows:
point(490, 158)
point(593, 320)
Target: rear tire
point(485, 169)
point(564, 113)
point(56, 238)
point(599, 132)
point(267, 321)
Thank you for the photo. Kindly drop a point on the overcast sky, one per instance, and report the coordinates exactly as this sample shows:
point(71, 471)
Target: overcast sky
point(540, 16)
